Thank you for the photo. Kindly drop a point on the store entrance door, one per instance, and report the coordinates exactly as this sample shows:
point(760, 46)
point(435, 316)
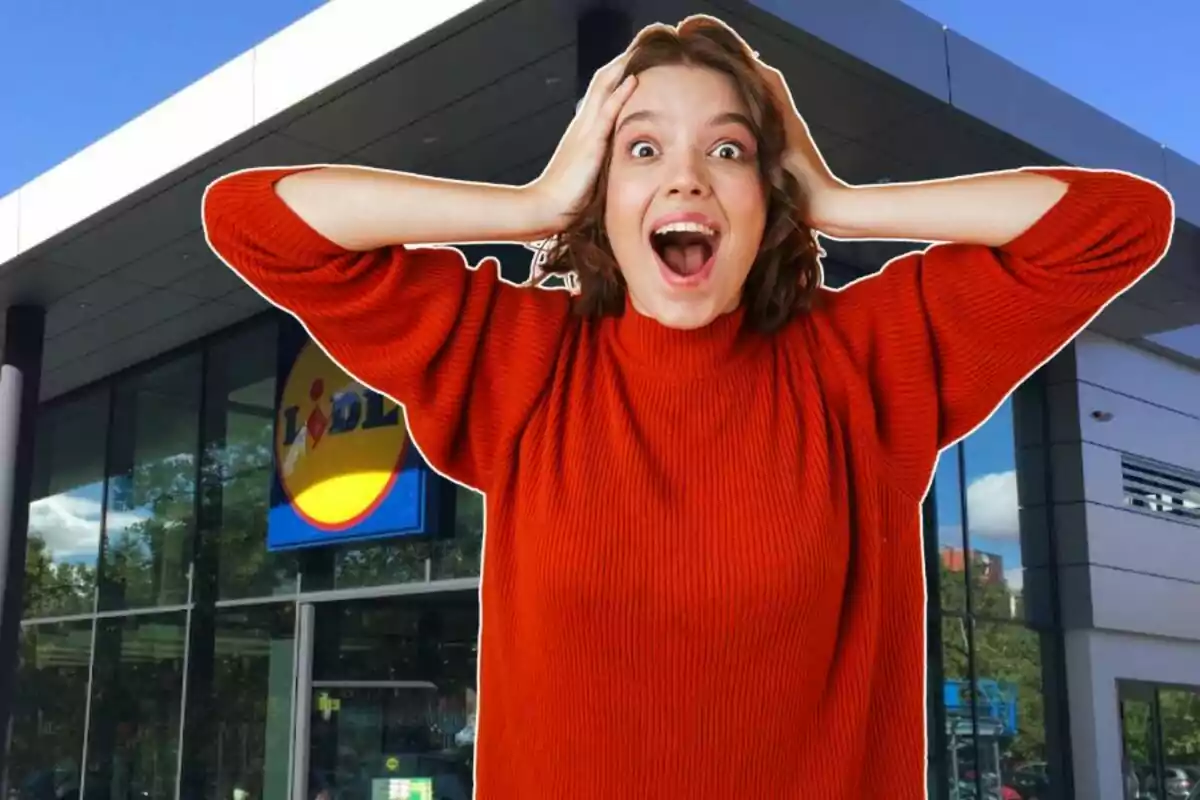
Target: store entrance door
point(389, 709)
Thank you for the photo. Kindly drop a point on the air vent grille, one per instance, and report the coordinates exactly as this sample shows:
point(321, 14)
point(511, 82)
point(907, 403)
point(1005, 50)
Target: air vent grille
point(1161, 488)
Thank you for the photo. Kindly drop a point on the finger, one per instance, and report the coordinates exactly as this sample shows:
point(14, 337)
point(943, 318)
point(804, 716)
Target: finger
point(614, 103)
point(606, 79)
point(593, 106)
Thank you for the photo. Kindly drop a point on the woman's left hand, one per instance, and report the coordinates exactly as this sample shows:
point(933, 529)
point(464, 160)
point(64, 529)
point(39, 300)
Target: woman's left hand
point(803, 159)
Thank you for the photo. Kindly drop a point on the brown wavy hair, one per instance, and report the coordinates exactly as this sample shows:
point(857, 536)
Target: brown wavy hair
point(787, 272)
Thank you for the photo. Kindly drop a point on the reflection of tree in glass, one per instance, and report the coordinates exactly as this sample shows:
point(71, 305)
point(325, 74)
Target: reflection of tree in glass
point(145, 562)
point(133, 734)
point(1136, 721)
point(55, 588)
point(1005, 651)
point(380, 562)
point(48, 715)
point(1180, 712)
point(237, 490)
point(460, 556)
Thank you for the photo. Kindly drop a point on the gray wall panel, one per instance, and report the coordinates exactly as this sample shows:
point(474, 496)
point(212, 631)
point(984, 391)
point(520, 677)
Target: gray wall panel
point(1136, 541)
point(1102, 479)
point(1075, 595)
point(1095, 661)
point(1183, 181)
point(1136, 603)
point(888, 35)
point(1003, 95)
point(1140, 428)
point(1117, 366)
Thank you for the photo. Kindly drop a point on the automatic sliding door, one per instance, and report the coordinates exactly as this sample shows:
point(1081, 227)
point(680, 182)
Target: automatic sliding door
point(389, 707)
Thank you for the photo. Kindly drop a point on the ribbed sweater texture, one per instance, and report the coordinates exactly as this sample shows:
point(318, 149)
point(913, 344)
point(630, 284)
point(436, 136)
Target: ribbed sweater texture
point(703, 568)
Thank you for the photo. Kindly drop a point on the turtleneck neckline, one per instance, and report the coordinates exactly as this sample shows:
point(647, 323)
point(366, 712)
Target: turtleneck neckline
point(674, 352)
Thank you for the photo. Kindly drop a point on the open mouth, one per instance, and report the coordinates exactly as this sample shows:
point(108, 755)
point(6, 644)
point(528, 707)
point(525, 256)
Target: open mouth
point(685, 248)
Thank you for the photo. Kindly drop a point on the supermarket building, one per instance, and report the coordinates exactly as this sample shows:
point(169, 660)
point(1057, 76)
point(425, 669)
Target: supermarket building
point(179, 622)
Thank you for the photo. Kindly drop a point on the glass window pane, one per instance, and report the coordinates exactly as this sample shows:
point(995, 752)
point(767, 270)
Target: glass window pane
point(239, 441)
point(378, 563)
point(960, 739)
point(238, 726)
point(1179, 710)
point(50, 703)
point(68, 501)
point(137, 690)
point(419, 656)
point(1139, 736)
point(1011, 708)
point(460, 556)
point(994, 518)
point(151, 493)
point(947, 488)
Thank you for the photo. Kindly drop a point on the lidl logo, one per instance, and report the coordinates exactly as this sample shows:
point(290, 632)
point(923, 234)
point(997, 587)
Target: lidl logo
point(343, 461)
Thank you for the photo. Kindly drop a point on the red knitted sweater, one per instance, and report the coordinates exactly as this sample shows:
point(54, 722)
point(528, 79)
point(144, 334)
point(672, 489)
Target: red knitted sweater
point(703, 570)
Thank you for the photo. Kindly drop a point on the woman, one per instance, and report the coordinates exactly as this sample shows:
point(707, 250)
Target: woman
point(703, 565)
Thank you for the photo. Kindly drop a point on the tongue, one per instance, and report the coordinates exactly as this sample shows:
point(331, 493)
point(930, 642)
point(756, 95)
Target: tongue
point(685, 259)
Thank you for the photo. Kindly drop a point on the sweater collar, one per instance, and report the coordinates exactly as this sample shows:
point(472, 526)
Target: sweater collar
point(672, 352)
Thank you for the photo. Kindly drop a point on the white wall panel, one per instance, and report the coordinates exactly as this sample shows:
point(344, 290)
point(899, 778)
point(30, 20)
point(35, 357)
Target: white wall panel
point(10, 217)
point(334, 41)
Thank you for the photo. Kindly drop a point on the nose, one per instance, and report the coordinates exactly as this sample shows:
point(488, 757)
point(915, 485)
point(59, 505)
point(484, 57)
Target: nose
point(687, 177)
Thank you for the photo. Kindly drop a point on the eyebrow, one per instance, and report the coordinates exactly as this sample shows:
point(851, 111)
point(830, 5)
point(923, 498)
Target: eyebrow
point(724, 118)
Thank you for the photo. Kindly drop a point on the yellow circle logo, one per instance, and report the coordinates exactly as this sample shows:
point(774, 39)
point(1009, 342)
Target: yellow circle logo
point(338, 445)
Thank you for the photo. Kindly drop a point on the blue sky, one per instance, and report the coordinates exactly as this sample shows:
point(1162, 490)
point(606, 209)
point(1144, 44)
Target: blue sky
point(75, 71)
point(1136, 62)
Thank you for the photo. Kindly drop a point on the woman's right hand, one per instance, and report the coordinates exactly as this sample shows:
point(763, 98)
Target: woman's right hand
point(567, 181)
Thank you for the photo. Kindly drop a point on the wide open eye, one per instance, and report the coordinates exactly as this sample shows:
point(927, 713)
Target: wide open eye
point(729, 150)
point(642, 149)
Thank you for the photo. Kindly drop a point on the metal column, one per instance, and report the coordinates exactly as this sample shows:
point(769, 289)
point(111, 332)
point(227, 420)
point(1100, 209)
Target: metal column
point(20, 379)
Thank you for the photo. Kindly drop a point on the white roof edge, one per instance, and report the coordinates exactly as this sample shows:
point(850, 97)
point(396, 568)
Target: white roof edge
point(309, 55)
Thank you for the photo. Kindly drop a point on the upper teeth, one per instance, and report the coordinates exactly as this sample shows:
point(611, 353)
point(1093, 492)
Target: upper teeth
point(686, 227)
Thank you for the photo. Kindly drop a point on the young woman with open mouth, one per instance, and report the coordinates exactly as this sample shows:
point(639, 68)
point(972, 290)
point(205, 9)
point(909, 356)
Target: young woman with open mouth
point(703, 570)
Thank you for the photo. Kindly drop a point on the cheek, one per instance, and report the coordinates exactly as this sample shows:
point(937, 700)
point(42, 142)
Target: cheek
point(747, 210)
point(624, 207)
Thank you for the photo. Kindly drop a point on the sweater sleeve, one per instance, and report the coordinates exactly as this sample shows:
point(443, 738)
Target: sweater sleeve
point(464, 352)
point(937, 340)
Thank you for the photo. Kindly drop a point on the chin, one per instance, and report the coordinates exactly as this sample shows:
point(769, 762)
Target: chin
point(683, 315)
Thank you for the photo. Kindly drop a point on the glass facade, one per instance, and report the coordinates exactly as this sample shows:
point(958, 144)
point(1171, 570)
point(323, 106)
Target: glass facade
point(1160, 733)
point(992, 651)
point(160, 644)
point(163, 643)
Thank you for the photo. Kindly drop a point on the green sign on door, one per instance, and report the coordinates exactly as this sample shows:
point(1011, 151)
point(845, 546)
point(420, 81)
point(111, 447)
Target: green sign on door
point(402, 789)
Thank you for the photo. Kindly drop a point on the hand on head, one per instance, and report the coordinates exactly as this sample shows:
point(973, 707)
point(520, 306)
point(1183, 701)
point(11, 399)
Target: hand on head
point(570, 177)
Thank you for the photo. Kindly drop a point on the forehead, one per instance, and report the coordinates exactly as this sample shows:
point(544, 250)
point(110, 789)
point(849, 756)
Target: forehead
point(683, 91)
